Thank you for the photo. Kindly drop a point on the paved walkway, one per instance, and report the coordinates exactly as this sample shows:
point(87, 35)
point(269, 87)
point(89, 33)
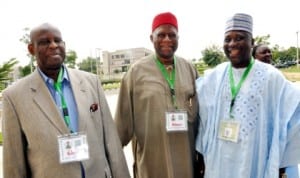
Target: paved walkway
point(112, 98)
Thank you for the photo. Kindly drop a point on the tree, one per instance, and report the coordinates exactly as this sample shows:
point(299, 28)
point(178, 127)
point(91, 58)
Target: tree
point(89, 65)
point(275, 53)
point(200, 66)
point(26, 70)
point(26, 39)
point(5, 70)
point(282, 55)
point(213, 56)
point(70, 60)
point(262, 39)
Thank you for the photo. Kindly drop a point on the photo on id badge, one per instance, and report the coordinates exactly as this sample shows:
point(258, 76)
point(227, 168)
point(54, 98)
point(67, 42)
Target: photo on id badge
point(229, 130)
point(73, 148)
point(176, 121)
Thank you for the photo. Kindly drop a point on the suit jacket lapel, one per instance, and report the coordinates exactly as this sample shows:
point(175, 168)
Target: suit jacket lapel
point(45, 102)
point(82, 100)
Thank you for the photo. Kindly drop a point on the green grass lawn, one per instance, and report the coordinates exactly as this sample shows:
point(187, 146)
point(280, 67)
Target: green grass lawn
point(291, 69)
point(292, 73)
point(110, 86)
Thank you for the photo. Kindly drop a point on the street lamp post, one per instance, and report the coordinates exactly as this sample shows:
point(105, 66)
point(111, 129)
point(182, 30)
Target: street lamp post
point(91, 61)
point(98, 63)
point(297, 51)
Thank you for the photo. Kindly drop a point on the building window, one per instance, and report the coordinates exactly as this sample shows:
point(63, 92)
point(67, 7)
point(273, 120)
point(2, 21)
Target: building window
point(126, 61)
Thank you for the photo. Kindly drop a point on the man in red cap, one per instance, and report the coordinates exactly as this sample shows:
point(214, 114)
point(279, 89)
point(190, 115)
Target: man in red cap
point(157, 108)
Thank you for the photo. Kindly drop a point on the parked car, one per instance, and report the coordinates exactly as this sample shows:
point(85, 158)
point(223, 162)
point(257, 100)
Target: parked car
point(290, 63)
point(281, 65)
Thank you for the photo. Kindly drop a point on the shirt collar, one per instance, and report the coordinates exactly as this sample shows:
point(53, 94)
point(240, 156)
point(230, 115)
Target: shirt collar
point(50, 80)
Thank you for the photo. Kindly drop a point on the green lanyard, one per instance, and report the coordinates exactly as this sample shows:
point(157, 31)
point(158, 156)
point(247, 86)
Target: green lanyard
point(170, 78)
point(58, 88)
point(236, 89)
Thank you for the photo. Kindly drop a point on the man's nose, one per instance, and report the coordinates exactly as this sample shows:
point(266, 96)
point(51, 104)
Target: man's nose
point(53, 44)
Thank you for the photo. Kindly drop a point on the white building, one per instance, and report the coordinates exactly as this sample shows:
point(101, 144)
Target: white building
point(115, 64)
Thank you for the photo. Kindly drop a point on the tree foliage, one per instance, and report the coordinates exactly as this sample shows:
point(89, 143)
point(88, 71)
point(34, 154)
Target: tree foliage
point(262, 39)
point(213, 56)
point(70, 60)
point(281, 55)
point(26, 70)
point(26, 37)
point(5, 71)
point(200, 66)
point(89, 64)
point(26, 40)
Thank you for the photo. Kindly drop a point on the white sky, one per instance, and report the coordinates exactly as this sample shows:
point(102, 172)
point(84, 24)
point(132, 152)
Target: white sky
point(120, 24)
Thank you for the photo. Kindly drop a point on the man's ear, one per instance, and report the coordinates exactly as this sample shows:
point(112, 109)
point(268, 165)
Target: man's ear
point(30, 48)
point(151, 38)
point(252, 42)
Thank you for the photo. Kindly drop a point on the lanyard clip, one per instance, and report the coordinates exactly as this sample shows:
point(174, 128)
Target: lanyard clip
point(172, 91)
point(65, 112)
point(232, 103)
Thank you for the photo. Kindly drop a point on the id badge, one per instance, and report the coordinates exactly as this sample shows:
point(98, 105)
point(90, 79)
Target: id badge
point(176, 121)
point(229, 130)
point(73, 147)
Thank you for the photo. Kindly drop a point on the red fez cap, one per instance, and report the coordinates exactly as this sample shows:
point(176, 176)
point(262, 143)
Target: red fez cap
point(164, 18)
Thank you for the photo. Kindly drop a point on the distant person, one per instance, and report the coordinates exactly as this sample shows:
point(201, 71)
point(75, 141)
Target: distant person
point(157, 107)
point(56, 121)
point(263, 53)
point(249, 113)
